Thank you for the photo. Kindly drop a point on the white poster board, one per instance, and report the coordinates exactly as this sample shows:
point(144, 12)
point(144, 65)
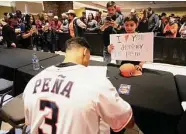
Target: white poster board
point(132, 47)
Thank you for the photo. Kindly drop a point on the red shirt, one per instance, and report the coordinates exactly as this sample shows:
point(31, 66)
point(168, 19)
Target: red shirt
point(55, 25)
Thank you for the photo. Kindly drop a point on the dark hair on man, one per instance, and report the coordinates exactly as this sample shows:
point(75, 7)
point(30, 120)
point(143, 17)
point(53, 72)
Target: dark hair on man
point(149, 9)
point(5, 14)
point(111, 4)
point(77, 42)
point(163, 14)
point(131, 18)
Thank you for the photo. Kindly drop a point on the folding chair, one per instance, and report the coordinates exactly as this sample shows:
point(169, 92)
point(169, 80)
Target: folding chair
point(6, 87)
point(13, 113)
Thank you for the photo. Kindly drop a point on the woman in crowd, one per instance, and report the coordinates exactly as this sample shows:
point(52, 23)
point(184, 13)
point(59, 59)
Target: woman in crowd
point(130, 26)
point(27, 33)
point(37, 41)
point(45, 20)
point(98, 18)
point(38, 23)
point(171, 28)
point(92, 24)
point(143, 25)
point(32, 20)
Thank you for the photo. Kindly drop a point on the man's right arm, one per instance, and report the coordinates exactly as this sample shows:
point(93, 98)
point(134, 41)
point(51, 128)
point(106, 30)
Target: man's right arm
point(113, 109)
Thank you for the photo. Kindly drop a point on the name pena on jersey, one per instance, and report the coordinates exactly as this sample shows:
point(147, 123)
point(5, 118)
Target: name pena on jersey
point(42, 85)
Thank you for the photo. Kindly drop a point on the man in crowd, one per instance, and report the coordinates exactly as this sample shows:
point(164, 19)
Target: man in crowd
point(62, 100)
point(8, 33)
point(153, 21)
point(111, 24)
point(76, 26)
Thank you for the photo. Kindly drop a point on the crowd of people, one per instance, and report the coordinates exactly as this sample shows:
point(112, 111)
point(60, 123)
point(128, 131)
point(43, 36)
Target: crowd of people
point(40, 31)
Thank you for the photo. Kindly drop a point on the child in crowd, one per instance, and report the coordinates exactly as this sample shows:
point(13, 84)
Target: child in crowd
point(130, 26)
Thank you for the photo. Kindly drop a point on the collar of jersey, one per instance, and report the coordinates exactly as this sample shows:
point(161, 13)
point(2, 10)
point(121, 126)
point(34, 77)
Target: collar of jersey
point(66, 64)
point(65, 67)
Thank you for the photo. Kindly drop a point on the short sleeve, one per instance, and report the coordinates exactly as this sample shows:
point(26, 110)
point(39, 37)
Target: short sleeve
point(112, 108)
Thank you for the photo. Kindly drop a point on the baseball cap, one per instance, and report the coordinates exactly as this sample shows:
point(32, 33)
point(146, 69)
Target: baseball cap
point(129, 70)
point(71, 11)
point(55, 17)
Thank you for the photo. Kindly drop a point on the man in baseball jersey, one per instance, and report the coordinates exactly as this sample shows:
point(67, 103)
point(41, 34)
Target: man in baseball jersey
point(70, 99)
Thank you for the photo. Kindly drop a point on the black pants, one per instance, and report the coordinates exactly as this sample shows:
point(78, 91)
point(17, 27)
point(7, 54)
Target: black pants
point(49, 47)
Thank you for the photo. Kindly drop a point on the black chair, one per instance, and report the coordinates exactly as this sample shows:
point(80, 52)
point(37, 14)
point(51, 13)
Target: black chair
point(13, 113)
point(6, 87)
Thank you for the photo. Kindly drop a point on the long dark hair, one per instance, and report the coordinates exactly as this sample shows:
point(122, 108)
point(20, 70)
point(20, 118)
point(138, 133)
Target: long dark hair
point(92, 16)
point(27, 22)
point(33, 23)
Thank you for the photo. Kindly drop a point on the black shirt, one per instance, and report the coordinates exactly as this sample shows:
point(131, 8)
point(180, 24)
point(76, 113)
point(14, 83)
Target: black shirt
point(9, 35)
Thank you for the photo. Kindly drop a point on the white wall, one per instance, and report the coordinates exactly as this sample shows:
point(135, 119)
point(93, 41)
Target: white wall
point(5, 3)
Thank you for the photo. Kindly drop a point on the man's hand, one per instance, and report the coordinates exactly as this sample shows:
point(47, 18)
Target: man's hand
point(105, 25)
point(110, 48)
point(114, 24)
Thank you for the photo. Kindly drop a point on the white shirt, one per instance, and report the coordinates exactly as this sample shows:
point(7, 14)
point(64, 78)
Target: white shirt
point(73, 100)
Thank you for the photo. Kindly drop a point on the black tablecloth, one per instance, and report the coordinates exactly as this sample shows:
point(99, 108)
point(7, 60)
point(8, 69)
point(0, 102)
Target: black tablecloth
point(154, 99)
point(12, 59)
point(181, 86)
point(24, 74)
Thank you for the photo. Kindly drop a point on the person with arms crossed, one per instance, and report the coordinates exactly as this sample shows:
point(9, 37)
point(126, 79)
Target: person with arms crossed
point(70, 99)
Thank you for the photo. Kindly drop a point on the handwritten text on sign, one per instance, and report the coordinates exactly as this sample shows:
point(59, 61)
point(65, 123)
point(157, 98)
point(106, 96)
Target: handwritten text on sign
point(133, 47)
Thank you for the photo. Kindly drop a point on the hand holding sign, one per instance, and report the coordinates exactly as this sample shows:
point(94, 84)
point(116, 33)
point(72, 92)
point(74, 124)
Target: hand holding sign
point(110, 48)
point(133, 47)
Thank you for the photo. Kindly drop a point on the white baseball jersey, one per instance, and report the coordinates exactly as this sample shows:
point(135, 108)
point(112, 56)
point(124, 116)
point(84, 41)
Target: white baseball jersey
point(72, 100)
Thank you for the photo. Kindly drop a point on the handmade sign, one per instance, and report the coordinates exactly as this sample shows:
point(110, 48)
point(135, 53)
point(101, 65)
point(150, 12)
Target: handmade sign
point(132, 47)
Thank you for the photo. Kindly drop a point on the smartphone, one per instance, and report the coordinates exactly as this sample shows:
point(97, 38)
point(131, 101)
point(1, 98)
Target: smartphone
point(108, 18)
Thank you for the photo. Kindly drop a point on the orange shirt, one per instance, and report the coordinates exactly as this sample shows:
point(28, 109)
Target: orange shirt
point(71, 29)
point(173, 28)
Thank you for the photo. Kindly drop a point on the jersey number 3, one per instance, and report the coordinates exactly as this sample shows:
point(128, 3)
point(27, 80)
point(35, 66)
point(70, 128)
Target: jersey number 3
point(52, 122)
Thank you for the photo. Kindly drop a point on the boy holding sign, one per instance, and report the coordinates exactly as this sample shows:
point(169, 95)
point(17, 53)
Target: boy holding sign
point(133, 68)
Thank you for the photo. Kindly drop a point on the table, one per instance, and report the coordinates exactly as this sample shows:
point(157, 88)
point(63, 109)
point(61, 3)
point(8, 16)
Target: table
point(27, 72)
point(156, 108)
point(12, 59)
point(154, 99)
